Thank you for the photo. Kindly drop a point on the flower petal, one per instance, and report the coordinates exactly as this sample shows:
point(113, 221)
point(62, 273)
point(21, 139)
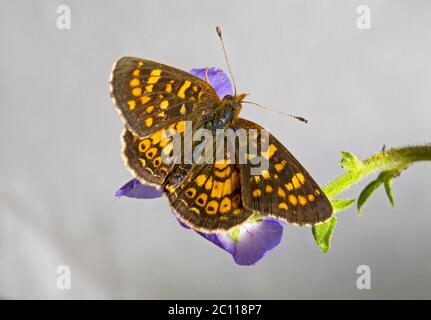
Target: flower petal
point(135, 189)
point(254, 242)
point(257, 240)
point(221, 240)
point(217, 79)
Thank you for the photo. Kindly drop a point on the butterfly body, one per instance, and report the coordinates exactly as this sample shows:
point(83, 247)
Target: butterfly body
point(208, 197)
point(226, 112)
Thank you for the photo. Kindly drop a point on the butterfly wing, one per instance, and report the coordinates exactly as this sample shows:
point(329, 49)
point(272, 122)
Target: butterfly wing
point(209, 199)
point(150, 95)
point(285, 190)
point(145, 156)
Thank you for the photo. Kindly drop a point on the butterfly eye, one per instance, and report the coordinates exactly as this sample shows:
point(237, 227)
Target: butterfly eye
point(228, 97)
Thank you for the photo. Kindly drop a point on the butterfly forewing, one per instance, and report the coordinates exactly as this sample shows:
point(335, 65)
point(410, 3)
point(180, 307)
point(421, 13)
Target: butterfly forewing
point(285, 189)
point(151, 95)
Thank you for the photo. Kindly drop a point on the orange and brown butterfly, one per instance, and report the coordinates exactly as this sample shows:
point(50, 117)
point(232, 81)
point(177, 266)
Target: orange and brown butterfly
point(153, 98)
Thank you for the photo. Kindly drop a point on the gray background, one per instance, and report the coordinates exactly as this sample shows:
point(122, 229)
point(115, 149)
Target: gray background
point(60, 163)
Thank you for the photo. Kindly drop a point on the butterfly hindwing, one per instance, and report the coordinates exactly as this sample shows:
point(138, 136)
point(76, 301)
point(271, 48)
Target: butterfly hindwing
point(209, 199)
point(285, 190)
point(145, 156)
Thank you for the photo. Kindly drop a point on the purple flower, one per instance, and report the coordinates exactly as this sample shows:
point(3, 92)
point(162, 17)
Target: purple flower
point(250, 242)
point(135, 189)
point(247, 243)
point(217, 78)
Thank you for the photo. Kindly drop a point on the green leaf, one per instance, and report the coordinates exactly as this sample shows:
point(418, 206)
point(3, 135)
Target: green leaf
point(350, 162)
point(388, 189)
point(341, 205)
point(368, 191)
point(385, 178)
point(322, 233)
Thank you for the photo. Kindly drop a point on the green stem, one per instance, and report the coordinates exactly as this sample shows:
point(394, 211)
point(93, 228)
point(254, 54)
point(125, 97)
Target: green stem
point(389, 163)
point(392, 159)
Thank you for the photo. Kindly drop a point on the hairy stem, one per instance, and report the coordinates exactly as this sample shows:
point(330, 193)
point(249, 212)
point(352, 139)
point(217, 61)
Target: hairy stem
point(389, 163)
point(392, 159)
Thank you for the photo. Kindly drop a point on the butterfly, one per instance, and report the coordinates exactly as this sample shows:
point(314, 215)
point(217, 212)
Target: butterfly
point(153, 98)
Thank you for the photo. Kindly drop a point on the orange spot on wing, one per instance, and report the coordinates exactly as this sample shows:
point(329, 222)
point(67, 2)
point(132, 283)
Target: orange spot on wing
point(217, 189)
point(227, 187)
point(211, 207)
point(145, 99)
point(149, 122)
point(222, 174)
point(134, 82)
point(164, 104)
point(136, 91)
point(209, 183)
point(151, 153)
point(236, 212)
point(257, 193)
point(283, 206)
point(302, 200)
point(154, 76)
point(293, 200)
point(266, 174)
point(225, 205)
point(144, 145)
point(301, 178)
point(168, 88)
point(191, 192)
point(201, 200)
point(157, 162)
point(180, 126)
point(270, 152)
point(200, 180)
point(131, 104)
point(295, 182)
point(183, 88)
point(195, 210)
point(281, 192)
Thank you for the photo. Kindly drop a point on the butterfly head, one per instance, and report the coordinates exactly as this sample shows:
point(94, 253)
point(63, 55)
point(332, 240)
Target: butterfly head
point(232, 104)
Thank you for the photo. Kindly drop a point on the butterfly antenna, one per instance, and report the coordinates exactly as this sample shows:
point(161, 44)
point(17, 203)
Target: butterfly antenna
point(302, 119)
point(220, 35)
point(206, 75)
